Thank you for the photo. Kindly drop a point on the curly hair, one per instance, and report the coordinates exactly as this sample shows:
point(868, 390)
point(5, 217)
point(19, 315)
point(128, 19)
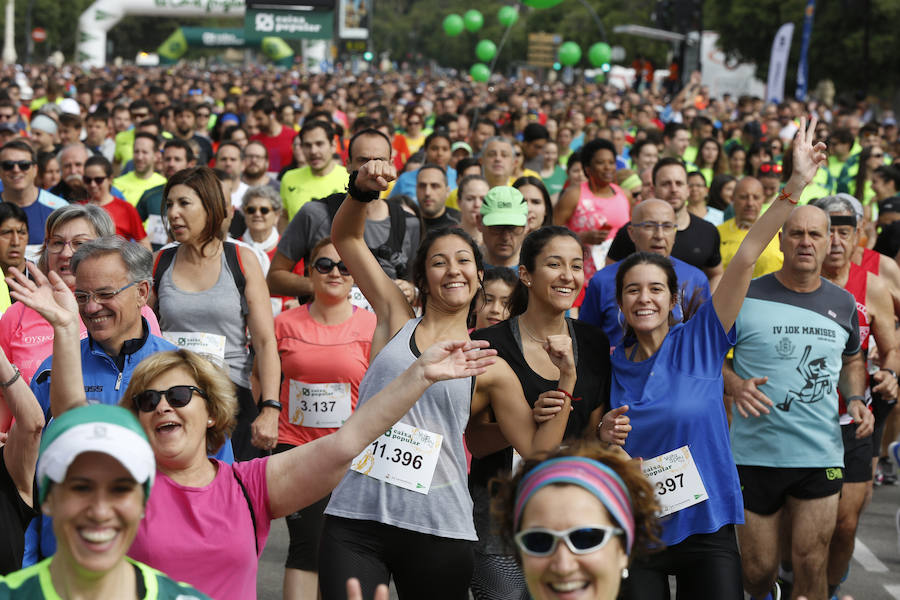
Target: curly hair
point(221, 399)
point(643, 498)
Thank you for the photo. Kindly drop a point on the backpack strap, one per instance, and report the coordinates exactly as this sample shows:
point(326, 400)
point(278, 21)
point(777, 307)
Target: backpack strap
point(236, 266)
point(164, 259)
point(398, 227)
point(249, 505)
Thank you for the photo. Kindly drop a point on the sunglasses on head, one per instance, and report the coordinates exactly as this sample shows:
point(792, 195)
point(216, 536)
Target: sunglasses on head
point(9, 165)
point(263, 210)
point(94, 180)
point(580, 540)
point(325, 265)
point(178, 396)
point(770, 168)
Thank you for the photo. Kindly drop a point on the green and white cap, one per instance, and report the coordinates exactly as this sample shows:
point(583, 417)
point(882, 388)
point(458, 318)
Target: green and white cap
point(504, 205)
point(111, 430)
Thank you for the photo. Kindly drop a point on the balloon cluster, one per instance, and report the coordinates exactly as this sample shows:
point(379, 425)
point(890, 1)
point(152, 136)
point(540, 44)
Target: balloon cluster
point(570, 54)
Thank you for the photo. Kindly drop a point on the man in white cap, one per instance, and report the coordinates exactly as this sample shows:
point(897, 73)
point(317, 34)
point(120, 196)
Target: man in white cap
point(43, 132)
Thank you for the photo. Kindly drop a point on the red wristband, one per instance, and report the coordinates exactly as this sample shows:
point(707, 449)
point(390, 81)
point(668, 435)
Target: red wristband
point(568, 395)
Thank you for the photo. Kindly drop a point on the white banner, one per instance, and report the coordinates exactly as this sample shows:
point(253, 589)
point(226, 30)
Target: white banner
point(781, 50)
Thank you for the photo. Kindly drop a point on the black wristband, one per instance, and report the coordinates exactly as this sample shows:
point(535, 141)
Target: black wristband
point(357, 194)
point(891, 371)
point(272, 403)
point(852, 398)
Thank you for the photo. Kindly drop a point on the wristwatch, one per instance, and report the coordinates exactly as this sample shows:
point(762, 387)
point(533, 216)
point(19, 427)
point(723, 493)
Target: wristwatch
point(270, 403)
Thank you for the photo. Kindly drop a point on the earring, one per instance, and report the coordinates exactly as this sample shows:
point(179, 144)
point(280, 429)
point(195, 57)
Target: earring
point(210, 423)
point(625, 573)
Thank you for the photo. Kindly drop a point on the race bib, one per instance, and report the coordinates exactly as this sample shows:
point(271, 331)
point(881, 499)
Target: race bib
point(319, 404)
point(516, 461)
point(156, 230)
point(209, 345)
point(357, 299)
point(676, 479)
point(404, 456)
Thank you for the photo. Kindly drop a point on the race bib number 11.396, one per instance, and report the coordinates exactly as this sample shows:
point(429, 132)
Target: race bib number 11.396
point(404, 456)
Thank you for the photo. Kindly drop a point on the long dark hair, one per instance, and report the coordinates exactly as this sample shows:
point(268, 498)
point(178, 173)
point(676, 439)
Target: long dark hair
point(532, 246)
point(420, 263)
point(714, 198)
point(689, 306)
point(536, 182)
point(863, 173)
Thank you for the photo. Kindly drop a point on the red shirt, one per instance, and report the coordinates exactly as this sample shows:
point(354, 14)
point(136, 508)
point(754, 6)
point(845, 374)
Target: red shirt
point(127, 220)
point(279, 148)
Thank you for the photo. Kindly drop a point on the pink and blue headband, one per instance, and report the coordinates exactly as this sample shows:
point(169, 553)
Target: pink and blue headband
point(593, 476)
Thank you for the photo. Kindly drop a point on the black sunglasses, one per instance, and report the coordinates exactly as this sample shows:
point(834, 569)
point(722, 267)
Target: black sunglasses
point(9, 165)
point(177, 396)
point(263, 210)
point(94, 180)
point(325, 265)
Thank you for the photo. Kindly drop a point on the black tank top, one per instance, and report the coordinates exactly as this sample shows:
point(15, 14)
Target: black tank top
point(592, 385)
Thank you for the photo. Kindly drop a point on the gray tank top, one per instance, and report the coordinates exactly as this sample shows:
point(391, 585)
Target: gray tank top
point(216, 310)
point(446, 510)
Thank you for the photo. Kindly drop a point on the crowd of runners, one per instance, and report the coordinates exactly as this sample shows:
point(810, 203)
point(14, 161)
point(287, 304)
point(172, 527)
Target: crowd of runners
point(509, 340)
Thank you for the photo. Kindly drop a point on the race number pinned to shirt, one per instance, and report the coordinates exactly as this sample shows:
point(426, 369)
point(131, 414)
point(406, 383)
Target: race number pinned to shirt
point(209, 345)
point(676, 479)
point(319, 404)
point(404, 456)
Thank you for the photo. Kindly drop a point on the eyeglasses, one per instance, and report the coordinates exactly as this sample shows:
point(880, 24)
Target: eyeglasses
point(100, 296)
point(770, 168)
point(580, 540)
point(263, 210)
point(325, 265)
point(23, 165)
point(57, 245)
point(651, 226)
point(178, 396)
point(94, 180)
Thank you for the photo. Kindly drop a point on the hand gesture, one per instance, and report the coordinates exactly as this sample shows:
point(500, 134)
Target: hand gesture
point(264, 429)
point(51, 298)
point(375, 175)
point(548, 406)
point(863, 417)
point(749, 401)
point(885, 384)
point(456, 359)
point(559, 348)
point(808, 155)
point(614, 426)
point(354, 591)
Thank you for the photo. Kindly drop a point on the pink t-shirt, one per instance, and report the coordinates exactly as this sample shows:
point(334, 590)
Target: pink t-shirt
point(204, 536)
point(592, 212)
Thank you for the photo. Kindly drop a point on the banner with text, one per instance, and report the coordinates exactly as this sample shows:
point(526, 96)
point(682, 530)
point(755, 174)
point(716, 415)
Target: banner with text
point(289, 24)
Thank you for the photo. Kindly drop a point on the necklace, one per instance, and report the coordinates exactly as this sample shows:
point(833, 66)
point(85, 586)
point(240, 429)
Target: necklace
point(532, 336)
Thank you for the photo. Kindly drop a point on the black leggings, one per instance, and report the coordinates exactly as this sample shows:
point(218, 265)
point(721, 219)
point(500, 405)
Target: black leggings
point(498, 577)
point(240, 437)
point(706, 567)
point(422, 565)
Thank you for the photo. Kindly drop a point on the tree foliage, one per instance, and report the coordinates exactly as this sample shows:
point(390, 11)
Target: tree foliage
point(836, 48)
point(412, 30)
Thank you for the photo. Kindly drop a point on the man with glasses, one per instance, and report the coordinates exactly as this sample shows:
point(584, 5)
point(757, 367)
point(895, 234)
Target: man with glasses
point(256, 164)
point(177, 155)
point(748, 200)
point(138, 111)
point(18, 171)
point(10, 116)
point(653, 230)
point(204, 114)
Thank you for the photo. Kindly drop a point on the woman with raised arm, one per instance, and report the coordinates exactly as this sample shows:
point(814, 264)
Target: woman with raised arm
point(669, 376)
point(404, 510)
point(207, 522)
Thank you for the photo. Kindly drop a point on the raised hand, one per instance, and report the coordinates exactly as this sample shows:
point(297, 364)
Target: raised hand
point(808, 155)
point(456, 359)
point(51, 298)
point(375, 175)
point(559, 349)
point(614, 426)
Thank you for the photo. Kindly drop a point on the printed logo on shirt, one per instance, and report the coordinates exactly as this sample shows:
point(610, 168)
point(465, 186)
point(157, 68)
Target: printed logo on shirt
point(817, 386)
point(93, 389)
point(785, 348)
point(834, 473)
point(291, 188)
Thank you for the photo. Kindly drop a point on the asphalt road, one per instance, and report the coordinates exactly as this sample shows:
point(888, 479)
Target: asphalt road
point(874, 573)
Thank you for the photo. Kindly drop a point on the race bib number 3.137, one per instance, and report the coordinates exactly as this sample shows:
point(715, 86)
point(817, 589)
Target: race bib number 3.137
point(319, 404)
point(676, 479)
point(404, 456)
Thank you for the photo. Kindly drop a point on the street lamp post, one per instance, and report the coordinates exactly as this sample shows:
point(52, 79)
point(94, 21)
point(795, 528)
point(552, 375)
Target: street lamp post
point(9, 48)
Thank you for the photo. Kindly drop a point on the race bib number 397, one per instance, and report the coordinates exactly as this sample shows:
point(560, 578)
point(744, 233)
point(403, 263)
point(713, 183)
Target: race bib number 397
point(677, 482)
point(404, 456)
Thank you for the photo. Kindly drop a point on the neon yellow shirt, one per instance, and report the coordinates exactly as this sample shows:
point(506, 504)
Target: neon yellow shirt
point(133, 187)
point(299, 186)
point(731, 237)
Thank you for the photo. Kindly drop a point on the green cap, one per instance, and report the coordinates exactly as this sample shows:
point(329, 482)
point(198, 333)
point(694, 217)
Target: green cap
point(504, 205)
point(111, 430)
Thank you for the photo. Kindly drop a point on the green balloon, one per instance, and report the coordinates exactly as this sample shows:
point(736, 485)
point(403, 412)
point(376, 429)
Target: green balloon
point(453, 25)
point(480, 72)
point(473, 20)
point(507, 16)
point(485, 50)
point(599, 54)
point(542, 3)
point(569, 53)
